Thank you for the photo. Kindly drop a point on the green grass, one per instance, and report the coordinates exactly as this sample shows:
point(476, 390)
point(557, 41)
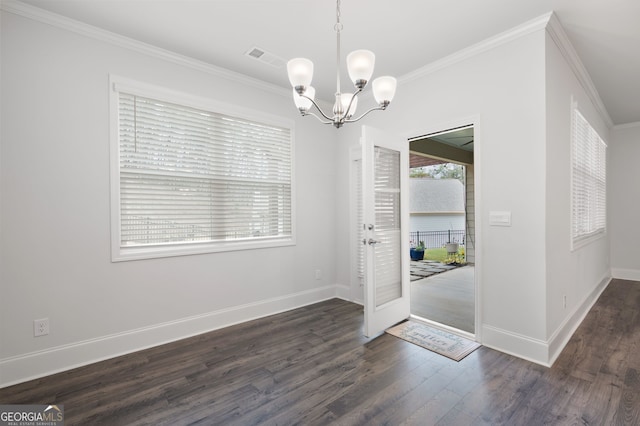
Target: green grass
point(437, 254)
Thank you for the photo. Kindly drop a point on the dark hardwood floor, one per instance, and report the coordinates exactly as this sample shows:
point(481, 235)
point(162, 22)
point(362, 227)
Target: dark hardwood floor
point(313, 366)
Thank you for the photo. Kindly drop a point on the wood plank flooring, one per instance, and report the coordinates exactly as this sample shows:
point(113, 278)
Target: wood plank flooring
point(313, 366)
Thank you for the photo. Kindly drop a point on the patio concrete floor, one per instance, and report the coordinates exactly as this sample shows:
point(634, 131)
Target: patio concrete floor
point(446, 296)
point(426, 268)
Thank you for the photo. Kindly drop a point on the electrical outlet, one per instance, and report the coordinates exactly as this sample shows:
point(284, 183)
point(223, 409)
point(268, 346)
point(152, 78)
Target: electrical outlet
point(318, 274)
point(40, 327)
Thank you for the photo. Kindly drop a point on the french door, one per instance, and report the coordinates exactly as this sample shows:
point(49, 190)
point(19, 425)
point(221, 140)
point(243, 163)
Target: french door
point(385, 171)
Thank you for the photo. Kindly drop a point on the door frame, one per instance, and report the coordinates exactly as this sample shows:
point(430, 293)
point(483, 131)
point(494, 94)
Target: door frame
point(355, 238)
point(473, 120)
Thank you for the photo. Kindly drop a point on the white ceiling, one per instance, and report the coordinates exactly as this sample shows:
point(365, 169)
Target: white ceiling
point(404, 34)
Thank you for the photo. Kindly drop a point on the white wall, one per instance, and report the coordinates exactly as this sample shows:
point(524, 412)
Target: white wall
point(582, 274)
point(54, 201)
point(624, 201)
point(502, 89)
point(518, 94)
point(55, 227)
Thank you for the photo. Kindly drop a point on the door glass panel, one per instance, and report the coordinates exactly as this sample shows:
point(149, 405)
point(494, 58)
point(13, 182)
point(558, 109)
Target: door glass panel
point(388, 264)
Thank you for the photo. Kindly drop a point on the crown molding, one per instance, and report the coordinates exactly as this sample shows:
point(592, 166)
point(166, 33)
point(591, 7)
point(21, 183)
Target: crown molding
point(548, 21)
point(551, 24)
point(559, 36)
point(59, 21)
point(627, 126)
point(478, 48)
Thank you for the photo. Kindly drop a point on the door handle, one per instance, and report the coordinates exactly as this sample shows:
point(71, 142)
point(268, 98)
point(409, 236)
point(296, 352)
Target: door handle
point(372, 242)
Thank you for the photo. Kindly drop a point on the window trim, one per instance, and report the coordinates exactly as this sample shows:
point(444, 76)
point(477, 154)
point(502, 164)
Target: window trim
point(118, 253)
point(577, 242)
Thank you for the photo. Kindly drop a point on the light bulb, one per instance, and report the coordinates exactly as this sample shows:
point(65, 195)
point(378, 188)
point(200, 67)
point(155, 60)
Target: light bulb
point(300, 72)
point(360, 65)
point(384, 89)
point(301, 102)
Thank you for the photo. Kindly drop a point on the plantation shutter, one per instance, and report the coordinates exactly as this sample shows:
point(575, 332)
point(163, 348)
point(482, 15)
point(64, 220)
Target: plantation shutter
point(588, 181)
point(388, 258)
point(359, 210)
point(191, 176)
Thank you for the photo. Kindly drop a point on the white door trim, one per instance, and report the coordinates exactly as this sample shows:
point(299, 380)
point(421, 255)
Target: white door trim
point(479, 219)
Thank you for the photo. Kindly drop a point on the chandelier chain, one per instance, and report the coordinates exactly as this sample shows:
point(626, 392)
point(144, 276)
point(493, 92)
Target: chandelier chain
point(338, 28)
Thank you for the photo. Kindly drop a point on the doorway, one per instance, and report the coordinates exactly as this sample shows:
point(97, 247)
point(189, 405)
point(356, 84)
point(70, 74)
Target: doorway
point(442, 199)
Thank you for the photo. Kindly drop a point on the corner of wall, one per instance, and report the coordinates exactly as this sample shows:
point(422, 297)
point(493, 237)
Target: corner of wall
point(626, 274)
point(560, 38)
point(524, 347)
point(538, 351)
point(563, 333)
point(343, 292)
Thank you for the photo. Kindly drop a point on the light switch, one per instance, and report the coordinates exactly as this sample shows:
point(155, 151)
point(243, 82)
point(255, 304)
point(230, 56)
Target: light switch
point(500, 218)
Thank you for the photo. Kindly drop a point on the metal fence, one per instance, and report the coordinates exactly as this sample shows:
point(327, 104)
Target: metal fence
point(437, 239)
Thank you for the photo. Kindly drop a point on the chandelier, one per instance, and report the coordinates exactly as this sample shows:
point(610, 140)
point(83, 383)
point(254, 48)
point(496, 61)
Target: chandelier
point(360, 65)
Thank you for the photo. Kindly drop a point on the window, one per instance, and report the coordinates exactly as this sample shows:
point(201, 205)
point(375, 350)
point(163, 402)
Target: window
point(190, 177)
point(588, 183)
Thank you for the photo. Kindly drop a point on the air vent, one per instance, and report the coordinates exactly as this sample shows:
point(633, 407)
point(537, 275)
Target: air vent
point(266, 57)
point(255, 53)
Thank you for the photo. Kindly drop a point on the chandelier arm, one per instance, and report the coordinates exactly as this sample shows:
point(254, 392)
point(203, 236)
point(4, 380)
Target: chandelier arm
point(319, 119)
point(317, 107)
point(353, 120)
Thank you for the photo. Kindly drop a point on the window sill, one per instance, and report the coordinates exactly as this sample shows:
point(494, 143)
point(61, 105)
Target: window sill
point(587, 240)
point(123, 254)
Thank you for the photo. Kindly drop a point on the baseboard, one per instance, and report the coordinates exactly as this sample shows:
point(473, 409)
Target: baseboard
point(343, 292)
point(563, 333)
point(515, 344)
point(625, 274)
point(540, 351)
point(54, 360)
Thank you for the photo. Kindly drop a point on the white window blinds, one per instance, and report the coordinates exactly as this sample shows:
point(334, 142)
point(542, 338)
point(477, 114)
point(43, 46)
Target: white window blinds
point(359, 222)
point(589, 182)
point(388, 258)
point(190, 176)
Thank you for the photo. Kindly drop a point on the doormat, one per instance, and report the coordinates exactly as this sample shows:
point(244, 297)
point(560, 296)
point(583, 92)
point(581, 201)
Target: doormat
point(439, 341)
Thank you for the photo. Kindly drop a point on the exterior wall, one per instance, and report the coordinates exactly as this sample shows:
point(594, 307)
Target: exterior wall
point(624, 201)
point(436, 222)
point(55, 224)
